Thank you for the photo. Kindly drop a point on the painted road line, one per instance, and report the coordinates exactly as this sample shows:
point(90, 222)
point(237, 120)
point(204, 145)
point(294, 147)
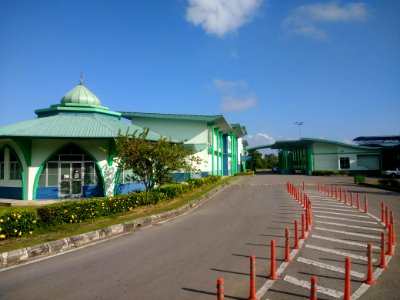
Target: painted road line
point(350, 233)
point(334, 209)
point(307, 285)
point(341, 214)
point(350, 226)
point(343, 241)
point(327, 205)
point(337, 252)
point(328, 267)
point(344, 219)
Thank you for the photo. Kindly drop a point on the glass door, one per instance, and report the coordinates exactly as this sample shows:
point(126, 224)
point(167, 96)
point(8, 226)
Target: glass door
point(71, 179)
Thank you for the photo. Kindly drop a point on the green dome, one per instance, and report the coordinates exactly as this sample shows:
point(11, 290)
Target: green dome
point(80, 95)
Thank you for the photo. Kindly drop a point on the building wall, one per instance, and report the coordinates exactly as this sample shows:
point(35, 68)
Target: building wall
point(327, 157)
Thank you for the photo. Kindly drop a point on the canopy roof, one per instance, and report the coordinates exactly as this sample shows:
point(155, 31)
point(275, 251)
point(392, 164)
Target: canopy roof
point(217, 120)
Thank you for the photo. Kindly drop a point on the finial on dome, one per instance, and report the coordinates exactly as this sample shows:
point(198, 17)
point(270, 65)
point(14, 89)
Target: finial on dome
point(81, 79)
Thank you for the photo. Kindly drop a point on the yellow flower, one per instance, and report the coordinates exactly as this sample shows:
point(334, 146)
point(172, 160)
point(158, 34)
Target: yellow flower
point(19, 216)
point(15, 230)
point(1, 220)
point(2, 236)
point(20, 233)
point(34, 221)
point(30, 232)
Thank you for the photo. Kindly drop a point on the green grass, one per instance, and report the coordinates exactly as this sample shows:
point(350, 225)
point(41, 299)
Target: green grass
point(67, 230)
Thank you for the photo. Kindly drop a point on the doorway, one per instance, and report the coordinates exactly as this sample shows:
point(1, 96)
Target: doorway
point(71, 183)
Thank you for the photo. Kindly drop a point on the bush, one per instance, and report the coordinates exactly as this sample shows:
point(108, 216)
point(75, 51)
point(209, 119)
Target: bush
point(359, 178)
point(250, 172)
point(323, 173)
point(15, 223)
point(389, 182)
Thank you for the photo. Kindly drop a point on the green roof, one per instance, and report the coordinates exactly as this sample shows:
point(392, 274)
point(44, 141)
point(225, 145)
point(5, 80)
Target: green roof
point(217, 120)
point(72, 125)
point(239, 131)
point(306, 142)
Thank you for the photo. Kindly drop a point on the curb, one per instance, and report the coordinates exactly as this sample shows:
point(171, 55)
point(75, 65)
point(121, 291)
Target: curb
point(14, 257)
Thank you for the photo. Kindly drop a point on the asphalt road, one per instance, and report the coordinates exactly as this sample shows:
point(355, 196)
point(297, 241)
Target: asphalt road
point(182, 258)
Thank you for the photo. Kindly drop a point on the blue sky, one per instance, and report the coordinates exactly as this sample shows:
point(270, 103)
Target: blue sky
point(334, 65)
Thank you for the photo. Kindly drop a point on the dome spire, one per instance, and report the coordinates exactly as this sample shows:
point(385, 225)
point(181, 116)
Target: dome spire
point(81, 79)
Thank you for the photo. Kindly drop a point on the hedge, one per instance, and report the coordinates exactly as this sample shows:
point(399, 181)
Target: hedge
point(15, 223)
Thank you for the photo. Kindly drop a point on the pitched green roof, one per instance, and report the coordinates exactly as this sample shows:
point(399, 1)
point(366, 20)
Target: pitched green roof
point(217, 120)
point(70, 125)
point(239, 131)
point(306, 142)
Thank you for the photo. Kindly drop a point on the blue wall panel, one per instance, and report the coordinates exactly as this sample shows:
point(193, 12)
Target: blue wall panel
point(11, 192)
point(126, 188)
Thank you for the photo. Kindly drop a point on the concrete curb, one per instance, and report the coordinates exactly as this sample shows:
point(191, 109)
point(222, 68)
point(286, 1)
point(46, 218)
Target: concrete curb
point(14, 257)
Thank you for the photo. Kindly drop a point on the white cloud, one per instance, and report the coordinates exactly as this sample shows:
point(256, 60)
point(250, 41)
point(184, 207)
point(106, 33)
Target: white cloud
point(232, 103)
point(226, 85)
point(218, 17)
point(259, 139)
point(307, 19)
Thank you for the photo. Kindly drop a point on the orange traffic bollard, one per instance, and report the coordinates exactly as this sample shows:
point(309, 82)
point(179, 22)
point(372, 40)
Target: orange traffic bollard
point(365, 204)
point(370, 277)
point(313, 289)
point(220, 288)
point(303, 229)
point(347, 279)
point(390, 241)
point(252, 294)
point(287, 247)
point(272, 274)
point(383, 264)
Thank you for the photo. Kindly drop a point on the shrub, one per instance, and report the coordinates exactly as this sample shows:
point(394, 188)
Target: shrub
point(17, 222)
point(389, 182)
point(250, 172)
point(359, 178)
point(323, 173)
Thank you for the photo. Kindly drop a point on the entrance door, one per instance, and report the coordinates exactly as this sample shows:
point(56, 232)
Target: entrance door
point(71, 179)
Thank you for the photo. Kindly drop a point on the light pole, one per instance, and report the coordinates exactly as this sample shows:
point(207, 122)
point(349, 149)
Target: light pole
point(301, 123)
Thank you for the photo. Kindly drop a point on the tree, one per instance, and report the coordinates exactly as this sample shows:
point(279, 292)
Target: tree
point(271, 161)
point(151, 162)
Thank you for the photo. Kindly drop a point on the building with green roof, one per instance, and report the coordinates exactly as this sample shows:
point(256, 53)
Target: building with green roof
point(214, 140)
point(66, 152)
point(307, 155)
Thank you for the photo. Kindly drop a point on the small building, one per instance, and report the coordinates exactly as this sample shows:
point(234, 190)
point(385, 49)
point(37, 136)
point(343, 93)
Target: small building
point(307, 155)
point(66, 152)
point(216, 142)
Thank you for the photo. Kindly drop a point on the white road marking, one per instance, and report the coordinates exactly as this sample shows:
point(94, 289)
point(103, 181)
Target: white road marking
point(337, 252)
point(351, 226)
point(350, 233)
point(329, 267)
point(344, 219)
point(307, 285)
point(336, 209)
point(341, 214)
point(328, 205)
point(343, 241)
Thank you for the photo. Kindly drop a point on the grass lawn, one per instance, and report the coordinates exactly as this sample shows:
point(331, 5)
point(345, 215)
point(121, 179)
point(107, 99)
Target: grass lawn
point(68, 230)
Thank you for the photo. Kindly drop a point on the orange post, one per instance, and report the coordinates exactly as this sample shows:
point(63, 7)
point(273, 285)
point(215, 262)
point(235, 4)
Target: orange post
point(313, 289)
point(347, 279)
point(296, 235)
point(252, 294)
point(383, 264)
point(365, 204)
point(390, 241)
point(392, 223)
point(287, 247)
point(220, 288)
point(303, 233)
point(352, 202)
point(386, 217)
point(272, 273)
point(370, 277)
point(382, 212)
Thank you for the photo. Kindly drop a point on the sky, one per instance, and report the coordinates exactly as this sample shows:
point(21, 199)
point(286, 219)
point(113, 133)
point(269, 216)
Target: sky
point(333, 66)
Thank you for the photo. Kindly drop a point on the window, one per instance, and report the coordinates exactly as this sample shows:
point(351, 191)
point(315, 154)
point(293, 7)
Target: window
point(91, 175)
point(15, 171)
point(125, 176)
point(344, 163)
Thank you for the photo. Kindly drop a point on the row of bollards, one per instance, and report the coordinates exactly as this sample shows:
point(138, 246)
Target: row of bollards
point(306, 220)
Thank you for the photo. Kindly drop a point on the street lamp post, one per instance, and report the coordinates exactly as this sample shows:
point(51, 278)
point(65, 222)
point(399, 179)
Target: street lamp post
point(301, 123)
